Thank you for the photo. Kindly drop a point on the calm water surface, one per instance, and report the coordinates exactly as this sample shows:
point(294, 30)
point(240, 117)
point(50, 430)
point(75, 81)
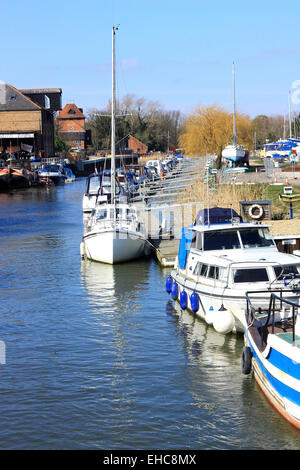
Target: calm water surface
point(97, 357)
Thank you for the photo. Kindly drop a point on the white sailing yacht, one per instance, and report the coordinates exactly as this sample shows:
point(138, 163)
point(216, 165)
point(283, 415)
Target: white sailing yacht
point(233, 152)
point(114, 233)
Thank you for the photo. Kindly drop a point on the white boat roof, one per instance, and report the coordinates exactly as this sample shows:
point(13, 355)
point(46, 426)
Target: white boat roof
point(269, 256)
point(247, 257)
point(227, 226)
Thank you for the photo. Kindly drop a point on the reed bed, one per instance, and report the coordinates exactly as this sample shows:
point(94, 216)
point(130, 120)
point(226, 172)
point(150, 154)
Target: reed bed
point(223, 194)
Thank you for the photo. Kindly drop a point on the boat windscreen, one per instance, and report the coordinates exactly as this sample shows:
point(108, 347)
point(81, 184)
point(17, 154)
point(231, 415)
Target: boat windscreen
point(94, 183)
point(256, 237)
point(287, 271)
point(221, 240)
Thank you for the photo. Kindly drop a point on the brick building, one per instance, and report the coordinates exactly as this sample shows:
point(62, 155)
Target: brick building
point(129, 145)
point(26, 120)
point(70, 125)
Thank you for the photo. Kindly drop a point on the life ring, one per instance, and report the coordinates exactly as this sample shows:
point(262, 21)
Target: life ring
point(254, 215)
point(246, 360)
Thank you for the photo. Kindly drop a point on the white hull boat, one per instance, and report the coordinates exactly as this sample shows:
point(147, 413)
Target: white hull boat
point(233, 152)
point(53, 173)
point(114, 246)
point(218, 263)
point(110, 240)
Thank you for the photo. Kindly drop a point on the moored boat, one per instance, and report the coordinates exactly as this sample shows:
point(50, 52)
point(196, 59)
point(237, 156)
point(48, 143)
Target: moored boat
point(13, 178)
point(220, 258)
point(69, 175)
point(114, 233)
point(272, 353)
point(52, 172)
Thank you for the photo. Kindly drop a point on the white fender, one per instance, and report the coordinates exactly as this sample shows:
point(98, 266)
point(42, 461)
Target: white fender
point(223, 321)
point(209, 316)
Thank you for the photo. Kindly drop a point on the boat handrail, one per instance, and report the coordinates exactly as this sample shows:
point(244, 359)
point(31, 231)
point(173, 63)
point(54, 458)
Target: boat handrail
point(251, 311)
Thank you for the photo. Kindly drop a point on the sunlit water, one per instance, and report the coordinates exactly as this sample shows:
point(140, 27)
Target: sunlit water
point(97, 357)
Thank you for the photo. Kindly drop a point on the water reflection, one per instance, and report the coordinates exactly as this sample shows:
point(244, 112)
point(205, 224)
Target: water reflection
point(116, 286)
point(240, 415)
point(114, 295)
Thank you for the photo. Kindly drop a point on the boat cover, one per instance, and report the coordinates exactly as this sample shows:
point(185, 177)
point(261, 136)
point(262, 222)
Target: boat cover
point(217, 215)
point(184, 245)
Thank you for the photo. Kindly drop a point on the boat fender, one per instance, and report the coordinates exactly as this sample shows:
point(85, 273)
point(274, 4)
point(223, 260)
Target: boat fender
point(194, 300)
point(209, 316)
point(82, 250)
point(183, 300)
point(223, 322)
point(169, 282)
point(253, 214)
point(246, 360)
point(174, 290)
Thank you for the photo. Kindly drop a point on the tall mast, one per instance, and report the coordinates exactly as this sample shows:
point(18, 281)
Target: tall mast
point(113, 120)
point(233, 99)
point(290, 123)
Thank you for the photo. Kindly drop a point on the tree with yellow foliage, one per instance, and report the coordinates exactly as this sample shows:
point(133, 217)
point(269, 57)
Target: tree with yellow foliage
point(210, 128)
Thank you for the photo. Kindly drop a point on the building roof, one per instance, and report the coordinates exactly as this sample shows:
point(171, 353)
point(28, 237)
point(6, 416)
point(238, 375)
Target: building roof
point(129, 136)
point(41, 90)
point(47, 98)
point(14, 100)
point(71, 111)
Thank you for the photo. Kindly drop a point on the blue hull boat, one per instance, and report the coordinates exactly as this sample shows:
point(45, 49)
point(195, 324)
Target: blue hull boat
point(272, 353)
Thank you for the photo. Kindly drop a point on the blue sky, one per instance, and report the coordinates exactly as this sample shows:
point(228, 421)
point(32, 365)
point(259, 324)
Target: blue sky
point(178, 53)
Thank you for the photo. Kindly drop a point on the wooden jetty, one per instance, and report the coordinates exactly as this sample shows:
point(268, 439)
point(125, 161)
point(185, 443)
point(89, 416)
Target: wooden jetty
point(165, 251)
point(163, 216)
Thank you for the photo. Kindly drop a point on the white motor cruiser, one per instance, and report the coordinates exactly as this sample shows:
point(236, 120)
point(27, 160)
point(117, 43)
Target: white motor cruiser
point(220, 259)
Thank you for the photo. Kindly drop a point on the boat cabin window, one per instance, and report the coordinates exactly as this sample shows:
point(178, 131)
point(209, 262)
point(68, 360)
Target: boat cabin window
point(102, 214)
point(106, 181)
point(130, 214)
point(213, 272)
point(287, 271)
point(119, 213)
point(256, 237)
point(201, 269)
point(221, 240)
point(54, 168)
point(250, 275)
point(197, 241)
point(205, 270)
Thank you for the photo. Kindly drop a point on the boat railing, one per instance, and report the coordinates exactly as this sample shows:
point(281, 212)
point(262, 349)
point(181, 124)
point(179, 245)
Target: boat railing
point(109, 222)
point(277, 303)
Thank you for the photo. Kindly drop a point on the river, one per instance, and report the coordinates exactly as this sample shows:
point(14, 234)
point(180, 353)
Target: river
point(98, 357)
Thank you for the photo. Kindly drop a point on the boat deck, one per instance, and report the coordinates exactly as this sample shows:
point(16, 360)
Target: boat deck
point(284, 329)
